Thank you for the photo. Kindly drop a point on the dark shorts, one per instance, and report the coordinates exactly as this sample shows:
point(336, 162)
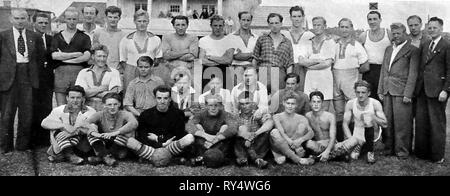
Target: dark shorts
point(66, 76)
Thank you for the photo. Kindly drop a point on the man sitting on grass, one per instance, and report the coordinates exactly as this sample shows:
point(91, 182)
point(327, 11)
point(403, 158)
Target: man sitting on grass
point(323, 123)
point(213, 130)
point(112, 127)
point(161, 133)
point(66, 123)
point(291, 131)
point(252, 141)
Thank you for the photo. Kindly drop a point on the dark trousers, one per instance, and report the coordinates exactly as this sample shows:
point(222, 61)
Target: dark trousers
point(369, 136)
point(42, 106)
point(373, 77)
point(430, 128)
point(20, 97)
point(400, 124)
point(257, 150)
point(198, 148)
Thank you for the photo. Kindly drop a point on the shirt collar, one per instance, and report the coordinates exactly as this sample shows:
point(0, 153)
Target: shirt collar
point(151, 78)
point(68, 109)
point(238, 32)
point(401, 45)
point(106, 69)
point(437, 40)
point(18, 32)
point(349, 41)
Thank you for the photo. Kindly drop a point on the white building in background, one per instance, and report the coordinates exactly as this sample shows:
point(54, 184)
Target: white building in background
point(161, 25)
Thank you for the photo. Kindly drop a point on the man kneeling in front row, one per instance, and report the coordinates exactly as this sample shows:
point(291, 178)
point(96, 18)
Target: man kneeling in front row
point(161, 133)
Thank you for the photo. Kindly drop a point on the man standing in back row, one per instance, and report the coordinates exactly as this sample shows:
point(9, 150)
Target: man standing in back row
point(432, 89)
point(21, 59)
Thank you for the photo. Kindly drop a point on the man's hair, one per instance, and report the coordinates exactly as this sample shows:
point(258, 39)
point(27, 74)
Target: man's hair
point(272, 15)
point(71, 9)
point(98, 47)
point(290, 95)
point(41, 15)
point(345, 19)
point(316, 93)
point(296, 8)
point(115, 96)
point(362, 83)
point(76, 88)
point(145, 59)
point(180, 17)
point(398, 26)
point(113, 9)
point(320, 18)
point(96, 10)
point(374, 12)
point(414, 16)
point(436, 19)
point(140, 13)
point(216, 18)
point(244, 12)
point(162, 89)
point(19, 10)
point(292, 75)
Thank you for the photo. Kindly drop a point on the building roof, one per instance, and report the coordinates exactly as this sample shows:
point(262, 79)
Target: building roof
point(79, 5)
point(261, 13)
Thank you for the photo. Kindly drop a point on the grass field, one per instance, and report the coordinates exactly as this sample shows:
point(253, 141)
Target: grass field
point(25, 164)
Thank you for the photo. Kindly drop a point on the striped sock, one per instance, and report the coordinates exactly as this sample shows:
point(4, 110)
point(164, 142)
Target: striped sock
point(175, 148)
point(146, 152)
point(121, 140)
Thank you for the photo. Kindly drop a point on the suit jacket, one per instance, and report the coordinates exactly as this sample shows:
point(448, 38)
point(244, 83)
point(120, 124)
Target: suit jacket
point(47, 76)
point(434, 71)
point(8, 62)
point(400, 80)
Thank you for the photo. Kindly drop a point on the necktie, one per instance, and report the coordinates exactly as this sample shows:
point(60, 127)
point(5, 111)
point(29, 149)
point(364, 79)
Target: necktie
point(431, 46)
point(21, 44)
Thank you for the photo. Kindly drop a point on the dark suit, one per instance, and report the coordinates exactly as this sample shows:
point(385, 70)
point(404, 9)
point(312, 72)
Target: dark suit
point(42, 103)
point(396, 83)
point(434, 77)
point(17, 82)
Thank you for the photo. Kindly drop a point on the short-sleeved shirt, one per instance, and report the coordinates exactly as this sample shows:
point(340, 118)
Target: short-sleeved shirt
point(212, 124)
point(298, 46)
point(349, 55)
point(266, 54)
point(139, 93)
point(124, 120)
point(174, 43)
point(215, 47)
point(110, 77)
point(80, 42)
point(320, 80)
point(112, 41)
point(130, 52)
point(80, 26)
point(238, 43)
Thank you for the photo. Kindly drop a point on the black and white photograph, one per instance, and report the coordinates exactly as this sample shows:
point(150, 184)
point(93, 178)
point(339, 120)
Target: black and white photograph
point(224, 88)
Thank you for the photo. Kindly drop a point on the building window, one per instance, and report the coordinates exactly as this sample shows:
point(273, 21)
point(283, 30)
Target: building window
point(140, 5)
point(7, 3)
point(209, 7)
point(174, 8)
